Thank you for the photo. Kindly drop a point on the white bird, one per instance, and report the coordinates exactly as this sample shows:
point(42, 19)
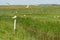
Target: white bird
point(14, 17)
point(16, 11)
point(57, 16)
point(54, 16)
point(24, 15)
point(27, 6)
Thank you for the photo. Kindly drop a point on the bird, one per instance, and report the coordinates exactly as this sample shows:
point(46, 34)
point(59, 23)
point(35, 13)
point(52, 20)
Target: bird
point(24, 15)
point(27, 6)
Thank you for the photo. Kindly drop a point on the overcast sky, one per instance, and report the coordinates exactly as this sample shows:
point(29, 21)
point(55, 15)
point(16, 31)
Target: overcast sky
point(28, 2)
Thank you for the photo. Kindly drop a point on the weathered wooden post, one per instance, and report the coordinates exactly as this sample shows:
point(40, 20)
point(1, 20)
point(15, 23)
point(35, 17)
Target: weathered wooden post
point(14, 23)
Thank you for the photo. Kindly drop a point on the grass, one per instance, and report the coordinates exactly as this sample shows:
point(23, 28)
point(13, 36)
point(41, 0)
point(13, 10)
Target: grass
point(38, 24)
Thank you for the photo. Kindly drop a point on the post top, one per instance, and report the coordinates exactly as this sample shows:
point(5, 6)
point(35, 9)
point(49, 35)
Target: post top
point(14, 17)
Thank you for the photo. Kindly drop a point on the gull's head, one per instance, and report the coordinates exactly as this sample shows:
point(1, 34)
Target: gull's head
point(14, 17)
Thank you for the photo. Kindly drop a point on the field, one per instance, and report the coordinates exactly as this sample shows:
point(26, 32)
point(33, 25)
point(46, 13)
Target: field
point(39, 23)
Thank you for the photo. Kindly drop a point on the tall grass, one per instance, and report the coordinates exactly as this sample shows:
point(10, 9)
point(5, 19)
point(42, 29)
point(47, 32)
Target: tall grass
point(38, 24)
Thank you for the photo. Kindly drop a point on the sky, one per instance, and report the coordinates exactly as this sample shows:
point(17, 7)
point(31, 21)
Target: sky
point(28, 2)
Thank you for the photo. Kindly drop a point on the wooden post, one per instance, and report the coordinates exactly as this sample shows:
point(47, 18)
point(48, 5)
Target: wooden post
point(14, 24)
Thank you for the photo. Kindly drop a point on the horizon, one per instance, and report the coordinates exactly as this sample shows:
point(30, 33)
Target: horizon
point(28, 2)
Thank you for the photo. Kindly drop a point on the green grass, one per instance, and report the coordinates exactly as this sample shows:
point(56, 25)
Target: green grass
point(38, 24)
